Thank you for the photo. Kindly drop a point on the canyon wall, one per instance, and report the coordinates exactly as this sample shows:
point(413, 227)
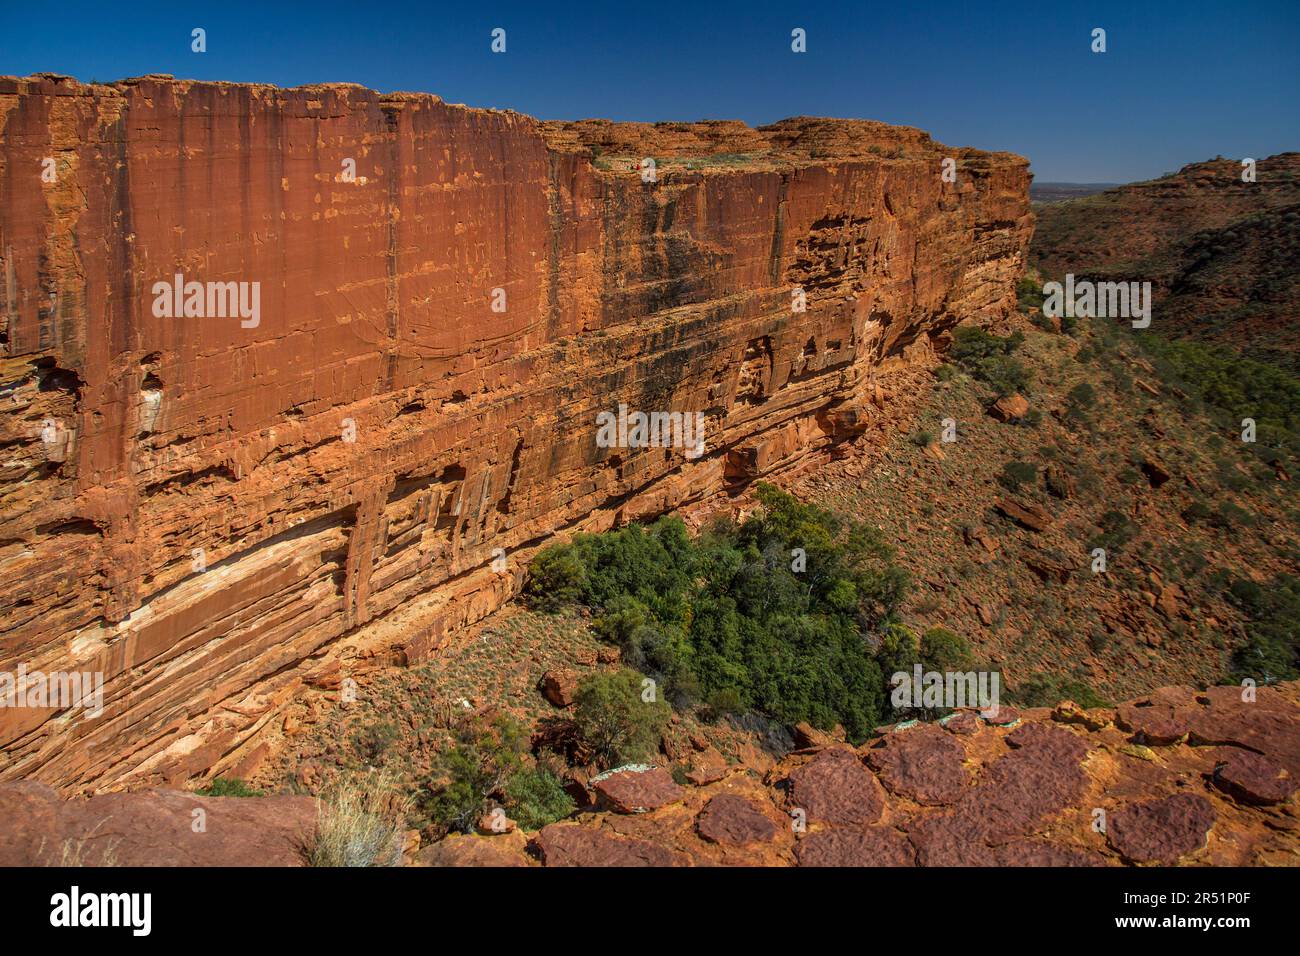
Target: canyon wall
point(212, 509)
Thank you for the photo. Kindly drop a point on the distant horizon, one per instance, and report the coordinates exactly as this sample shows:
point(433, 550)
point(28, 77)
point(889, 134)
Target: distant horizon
point(1179, 82)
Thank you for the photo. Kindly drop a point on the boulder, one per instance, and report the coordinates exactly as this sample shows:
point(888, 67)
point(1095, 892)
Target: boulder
point(637, 790)
point(1010, 408)
point(560, 687)
point(1027, 514)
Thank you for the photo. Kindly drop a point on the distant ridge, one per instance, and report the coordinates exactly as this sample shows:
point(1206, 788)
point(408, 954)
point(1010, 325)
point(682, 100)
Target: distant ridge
point(1061, 192)
point(1220, 252)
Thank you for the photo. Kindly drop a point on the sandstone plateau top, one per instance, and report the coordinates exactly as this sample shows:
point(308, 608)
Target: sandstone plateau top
point(794, 141)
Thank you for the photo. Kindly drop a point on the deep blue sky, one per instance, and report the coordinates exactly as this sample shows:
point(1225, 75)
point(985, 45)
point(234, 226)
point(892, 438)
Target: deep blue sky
point(1182, 81)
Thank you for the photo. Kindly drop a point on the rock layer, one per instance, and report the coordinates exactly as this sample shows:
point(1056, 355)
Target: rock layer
point(201, 508)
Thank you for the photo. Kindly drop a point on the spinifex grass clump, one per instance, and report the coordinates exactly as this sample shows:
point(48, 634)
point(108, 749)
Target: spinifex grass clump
point(359, 823)
point(776, 614)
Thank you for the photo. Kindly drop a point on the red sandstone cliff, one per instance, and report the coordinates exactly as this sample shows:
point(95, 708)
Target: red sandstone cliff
point(140, 449)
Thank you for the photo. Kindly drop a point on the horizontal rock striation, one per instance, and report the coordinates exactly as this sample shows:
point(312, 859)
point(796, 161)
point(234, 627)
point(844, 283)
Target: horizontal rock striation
point(383, 397)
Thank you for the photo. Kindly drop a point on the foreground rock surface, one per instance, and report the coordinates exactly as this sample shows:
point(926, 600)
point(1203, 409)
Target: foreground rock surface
point(152, 828)
point(198, 504)
point(1044, 792)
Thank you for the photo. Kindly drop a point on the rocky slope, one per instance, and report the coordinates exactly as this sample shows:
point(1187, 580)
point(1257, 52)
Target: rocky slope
point(1176, 777)
point(1111, 454)
point(1220, 253)
point(203, 508)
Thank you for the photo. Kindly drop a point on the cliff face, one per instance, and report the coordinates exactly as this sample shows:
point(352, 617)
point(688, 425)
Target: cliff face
point(202, 506)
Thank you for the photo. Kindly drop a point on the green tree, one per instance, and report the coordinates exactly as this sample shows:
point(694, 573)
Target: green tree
point(616, 723)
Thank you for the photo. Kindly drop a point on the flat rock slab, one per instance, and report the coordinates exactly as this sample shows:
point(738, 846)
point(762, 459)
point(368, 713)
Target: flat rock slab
point(468, 850)
point(570, 844)
point(152, 828)
point(1250, 778)
point(1161, 831)
point(965, 724)
point(1005, 717)
point(1039, 778)
point(639, 791)
point(924, 764)
point(1217, 716)
point(1026, 514)
point(870, 846)
point(733, 820)
point(834, 787)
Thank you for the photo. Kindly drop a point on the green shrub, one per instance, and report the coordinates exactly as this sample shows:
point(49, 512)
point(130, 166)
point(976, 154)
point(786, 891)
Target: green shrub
point(1005, 375)
point(481, 764)
point(1045, 690)
point(938, 649)
point(535, 798)
point(1017, 473)
point(372, 742)
point(1082, 396)
point(988, 358)
point(972, 344)
point(1231, 516)
point(615, 721)
point(1029, 294)
point(1247, 595)
point(555, 578)
point(1116, 531)
point(228, 787)
point(727, 700)
point(942, 650)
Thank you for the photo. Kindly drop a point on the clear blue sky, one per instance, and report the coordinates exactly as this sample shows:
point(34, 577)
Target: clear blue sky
point(1181, 81)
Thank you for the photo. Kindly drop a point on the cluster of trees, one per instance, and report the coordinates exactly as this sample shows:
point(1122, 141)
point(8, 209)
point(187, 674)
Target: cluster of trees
point(1271, 651)
point(791, 614)
point(989, 358)
point(1231, 387)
